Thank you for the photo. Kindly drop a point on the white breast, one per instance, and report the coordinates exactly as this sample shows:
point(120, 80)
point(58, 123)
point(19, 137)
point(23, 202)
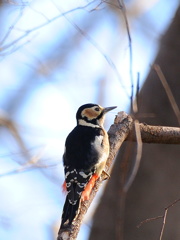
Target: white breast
point(98, 143)
point(99, 147)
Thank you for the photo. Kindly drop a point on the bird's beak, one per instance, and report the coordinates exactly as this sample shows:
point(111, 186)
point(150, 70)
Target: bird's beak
point(105, 110)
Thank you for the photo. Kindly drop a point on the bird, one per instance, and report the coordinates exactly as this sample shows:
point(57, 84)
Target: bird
point(84, 159)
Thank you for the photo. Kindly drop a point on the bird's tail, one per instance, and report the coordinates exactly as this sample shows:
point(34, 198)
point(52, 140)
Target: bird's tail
point(70, 210)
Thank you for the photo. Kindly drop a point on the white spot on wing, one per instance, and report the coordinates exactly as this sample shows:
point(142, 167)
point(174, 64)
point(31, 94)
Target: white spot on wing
point(73, 202)
point(68, 184)
point(85, 175)
point(67, 174)
point(81, 185)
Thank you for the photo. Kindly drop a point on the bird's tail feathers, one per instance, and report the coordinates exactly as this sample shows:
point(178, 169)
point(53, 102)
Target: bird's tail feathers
point(70, 211)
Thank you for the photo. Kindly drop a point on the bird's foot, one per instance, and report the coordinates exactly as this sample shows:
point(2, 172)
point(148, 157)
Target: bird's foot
point(106, 174)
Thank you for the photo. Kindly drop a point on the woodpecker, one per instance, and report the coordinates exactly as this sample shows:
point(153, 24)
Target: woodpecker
point(84, 159)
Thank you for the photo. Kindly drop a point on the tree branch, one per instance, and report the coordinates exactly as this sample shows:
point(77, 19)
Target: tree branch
point(157, 134)
point(121, 130)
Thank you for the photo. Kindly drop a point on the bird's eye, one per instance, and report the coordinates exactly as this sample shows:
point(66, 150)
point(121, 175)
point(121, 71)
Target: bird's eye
point(97, 109)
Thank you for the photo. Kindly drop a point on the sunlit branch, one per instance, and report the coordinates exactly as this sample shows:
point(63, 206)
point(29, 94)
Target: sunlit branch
point(157, 134)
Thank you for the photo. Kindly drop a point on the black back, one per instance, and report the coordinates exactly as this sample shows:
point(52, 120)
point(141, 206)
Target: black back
point(80, 152)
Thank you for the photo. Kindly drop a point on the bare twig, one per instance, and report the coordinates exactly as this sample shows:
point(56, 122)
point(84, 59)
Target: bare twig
point(98, 47)
point(123, 9)
point(149, 220)
point(165, 216)
point(163, 225)
point(160, 217)
point(138, 156)
point(168, 91)
point(27, 32)
point(33, 163)
point(6, 122)
point(13, 25)
point(29, 167)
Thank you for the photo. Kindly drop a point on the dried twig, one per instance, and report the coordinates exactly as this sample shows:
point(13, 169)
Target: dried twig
point(168, 91)
point(13, 25)
point(123, 9)
point(98, 47)
point(5, 47)
point(160, 217)
point(33, 163)
point(149, 220)
point(138, 156)
point(10, 125)
point(164, 217)
point(134, 107)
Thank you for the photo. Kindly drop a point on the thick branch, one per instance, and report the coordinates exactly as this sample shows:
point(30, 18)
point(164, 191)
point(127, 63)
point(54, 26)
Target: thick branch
point(157, 134)
point(122, 130)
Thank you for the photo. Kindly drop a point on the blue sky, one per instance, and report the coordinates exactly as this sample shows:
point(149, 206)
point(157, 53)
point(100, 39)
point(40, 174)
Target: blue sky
point(45, 77)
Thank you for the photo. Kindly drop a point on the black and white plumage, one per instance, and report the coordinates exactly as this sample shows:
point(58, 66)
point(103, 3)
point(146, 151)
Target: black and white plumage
point(86, 152)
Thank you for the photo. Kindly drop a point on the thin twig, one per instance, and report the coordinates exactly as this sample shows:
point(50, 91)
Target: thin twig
point(33, 163)
point(136, 100)
point(159, 217)
point(149, 220)
point(98, 47)
point(11, 126)
point(123, 9)
point(138, 156)
point(163, 225)
point(168, 91)
point(27, 32)
point(13, 26)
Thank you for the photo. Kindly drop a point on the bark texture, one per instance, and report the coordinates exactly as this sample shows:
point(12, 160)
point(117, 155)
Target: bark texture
point(157, 134)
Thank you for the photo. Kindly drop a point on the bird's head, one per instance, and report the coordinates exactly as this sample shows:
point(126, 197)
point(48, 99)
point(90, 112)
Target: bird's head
point(91, 115)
